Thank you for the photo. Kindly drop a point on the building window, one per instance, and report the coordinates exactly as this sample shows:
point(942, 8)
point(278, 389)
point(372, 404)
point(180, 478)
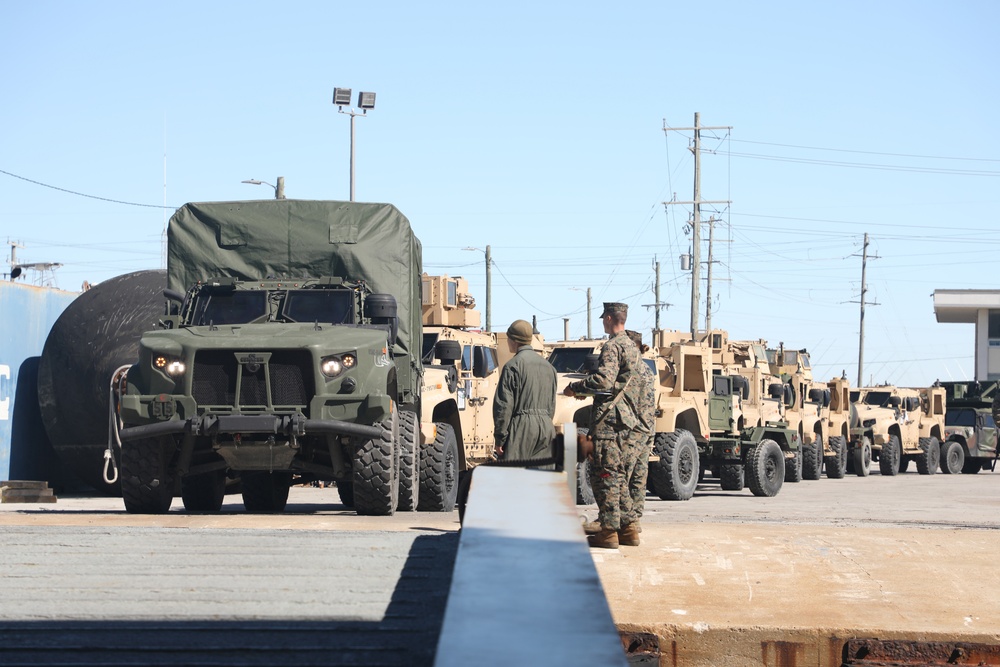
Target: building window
point(994, 326)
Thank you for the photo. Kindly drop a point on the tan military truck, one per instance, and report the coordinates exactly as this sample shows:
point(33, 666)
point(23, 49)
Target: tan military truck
point(718, 409)
point(841, 419)
point(809, 413)
point(900, 424)
point(573, 360)
point(455, 422)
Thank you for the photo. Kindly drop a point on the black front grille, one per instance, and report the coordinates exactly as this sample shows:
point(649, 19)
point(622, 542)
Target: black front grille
point(214, 378)
point(290, 372)
point(253, 387)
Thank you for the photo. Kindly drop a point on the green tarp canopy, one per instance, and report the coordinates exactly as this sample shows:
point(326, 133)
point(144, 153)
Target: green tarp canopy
point(290, 238)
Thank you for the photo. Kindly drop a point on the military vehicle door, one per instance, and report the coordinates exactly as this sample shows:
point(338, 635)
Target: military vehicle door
point(987, 433)
point(478, 383)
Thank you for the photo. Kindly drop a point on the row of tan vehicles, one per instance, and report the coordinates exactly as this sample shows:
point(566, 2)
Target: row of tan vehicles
point(748, 415)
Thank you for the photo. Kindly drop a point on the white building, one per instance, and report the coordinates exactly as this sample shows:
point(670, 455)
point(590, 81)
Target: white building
point(982, 308)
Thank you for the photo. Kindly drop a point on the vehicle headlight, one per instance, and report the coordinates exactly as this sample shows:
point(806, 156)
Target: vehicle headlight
point(172, 366)
point(335, 365)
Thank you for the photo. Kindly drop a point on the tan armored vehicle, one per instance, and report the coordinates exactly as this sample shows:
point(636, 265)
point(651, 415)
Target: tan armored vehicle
point(717, 408)
point(809, 411)
point(461, 371)
point(899, 425)
point(842, 418)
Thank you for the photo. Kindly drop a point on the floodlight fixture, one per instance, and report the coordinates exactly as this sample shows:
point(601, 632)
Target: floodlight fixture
point(342, 97)
point(366, 100)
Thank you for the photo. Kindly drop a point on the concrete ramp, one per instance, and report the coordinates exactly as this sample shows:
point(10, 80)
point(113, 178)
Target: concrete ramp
point(524, 590)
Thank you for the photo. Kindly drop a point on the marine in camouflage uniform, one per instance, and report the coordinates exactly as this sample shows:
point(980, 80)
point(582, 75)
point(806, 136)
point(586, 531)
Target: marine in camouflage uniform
point(525, 400)
point(616, 385)
point(641, 442)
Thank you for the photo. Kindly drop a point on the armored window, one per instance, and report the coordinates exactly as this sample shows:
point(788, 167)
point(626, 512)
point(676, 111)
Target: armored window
point(570, 359)
point(229, 307)
point(988, 421)
point(334, 306)
point(721, 385)
point(961, 417)
point(427, 351)
point(877, 398)
point(466, 357)
point(452, 292)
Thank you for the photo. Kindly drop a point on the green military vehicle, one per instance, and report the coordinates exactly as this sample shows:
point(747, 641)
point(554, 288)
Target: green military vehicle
point(969, 429)
point(290, 352)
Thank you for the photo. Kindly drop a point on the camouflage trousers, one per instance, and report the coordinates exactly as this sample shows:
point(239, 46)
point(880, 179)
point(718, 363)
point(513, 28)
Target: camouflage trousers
point(640, 445)
point(609, 479)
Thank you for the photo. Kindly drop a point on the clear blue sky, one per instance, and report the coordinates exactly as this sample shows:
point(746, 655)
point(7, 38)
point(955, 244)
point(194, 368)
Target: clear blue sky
point(537, 129)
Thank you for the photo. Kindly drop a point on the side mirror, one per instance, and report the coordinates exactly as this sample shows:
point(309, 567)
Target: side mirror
point(381, 309)
point(448, 351)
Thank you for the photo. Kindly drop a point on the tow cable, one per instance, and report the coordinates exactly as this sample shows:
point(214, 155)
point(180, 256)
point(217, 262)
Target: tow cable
point(114, 424)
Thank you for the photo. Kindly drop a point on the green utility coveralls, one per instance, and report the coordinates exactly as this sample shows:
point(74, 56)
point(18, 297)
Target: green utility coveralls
point(524, 406)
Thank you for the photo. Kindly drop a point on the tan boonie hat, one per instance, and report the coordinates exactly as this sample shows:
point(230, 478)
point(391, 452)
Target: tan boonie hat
point(614, 307)
point(520, 332)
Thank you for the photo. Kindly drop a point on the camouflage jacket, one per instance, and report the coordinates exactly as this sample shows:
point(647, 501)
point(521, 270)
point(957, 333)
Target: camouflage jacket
point(618, 370)
point(646, 406)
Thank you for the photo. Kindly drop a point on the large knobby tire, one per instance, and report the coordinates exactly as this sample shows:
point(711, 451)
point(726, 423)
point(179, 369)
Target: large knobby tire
point(812, 460)
point(971, 466)
point(675, 475)
point(765, 468)
point(409, 461)
point(439, 471)
point(376, 471)
point(793, 467)
point(930, 458)
point(862, 458)
point(147, 485)
point(345, 489)
point(889, 457)
point(731, 476)
point(265, 492)
point(952, 457)
point(204, 493)
point(836, 464)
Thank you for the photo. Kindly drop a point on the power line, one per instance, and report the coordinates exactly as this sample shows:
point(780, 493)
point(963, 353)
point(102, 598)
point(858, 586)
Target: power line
point(846, 150)
point(82, 194)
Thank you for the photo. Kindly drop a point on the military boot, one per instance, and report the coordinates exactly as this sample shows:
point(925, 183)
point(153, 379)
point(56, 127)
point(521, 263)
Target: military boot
point(606, 538)
point(629, 535)
point(592, 527)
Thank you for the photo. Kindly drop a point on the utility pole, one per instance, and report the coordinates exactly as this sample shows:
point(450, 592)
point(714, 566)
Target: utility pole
point(489, 291)
point(696, 223)
point(708, 285)
point(659, 304)
point(864, 290)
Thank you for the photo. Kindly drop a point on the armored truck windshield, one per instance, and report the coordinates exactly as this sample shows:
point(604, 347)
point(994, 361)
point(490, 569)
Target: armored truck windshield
point(876, 398)
point(570, 359)
point(313, 305)
point(228, 306)
point(960, 417)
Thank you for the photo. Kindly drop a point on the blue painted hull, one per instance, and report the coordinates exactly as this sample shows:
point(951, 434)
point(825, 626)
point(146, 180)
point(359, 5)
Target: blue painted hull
point(27, 313)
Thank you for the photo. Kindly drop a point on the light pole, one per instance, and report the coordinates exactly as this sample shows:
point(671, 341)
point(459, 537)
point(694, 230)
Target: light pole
point(366, 101)
point(489, 286)
point(279, 189)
